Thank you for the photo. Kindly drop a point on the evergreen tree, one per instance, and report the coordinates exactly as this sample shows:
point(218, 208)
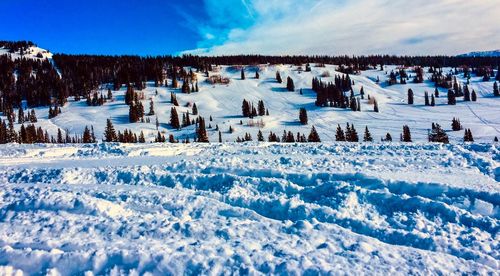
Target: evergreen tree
point(151, 108)
point(410, 96)
point(278, 77)
point(438, 135)
point(362, 93)
point(375, 106)
point(260, 136)
point(132, 113)
point(456, 125)
point(496, 92)
point(110, 94)
point(20, 116)
point(473, 95)
point(433, 101)
point(313, 136)
point(201, 131)
point(142, 139)
point(60, 138)
point(245, 109)
point(451, 98)
point(109, 132)
point(339, 135)
point(195, 109)
point(388, 137)
point(261, 108)
point(257, 76)
point(174, 119)
point(406, 136)
point(436, 93)
point(466, 94)
point(87, 138)
point(303, 116)
point(367, 137)
point(290, 86)
point(426, 96)
point(468, 136)
point(220, 137)
point(352, 134)
point(242, 74)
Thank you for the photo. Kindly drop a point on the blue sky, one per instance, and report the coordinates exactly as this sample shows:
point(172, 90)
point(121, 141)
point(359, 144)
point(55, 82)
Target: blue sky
point(215, 27)
point(101, 26)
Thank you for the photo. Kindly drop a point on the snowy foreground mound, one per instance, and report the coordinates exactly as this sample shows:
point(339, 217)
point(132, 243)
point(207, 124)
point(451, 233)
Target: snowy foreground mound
point(250, 208)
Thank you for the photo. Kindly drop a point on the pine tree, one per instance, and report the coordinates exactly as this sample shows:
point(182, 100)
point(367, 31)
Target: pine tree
point(468, 136)
point(174, 119)
point(388, 137)
point(201, 131)
point(195, 109)
point(261, 108)
point(367, 137)
point(245, 109)
point(60, 138)
point(110, 94)
point(496, 91)
point(473, 95)
point(466, 94)
point(451, 98)
point(220, 137)
point(313, 136)
point(278, 77)
point(406, 136)
point(151, 108)
point(438, 135)
point(142, 139)
point(109, 132)
point(132, 113)
point(426, 96)
point(433, 101)
point(86, 136)
point(260, 136)
point(339, 135)
point(257, 76)
point(456, 125)
point(436, 93)
point(20, 116)
point(303, 116)
point(410, 96)
point(290, 86)
point(362, 93)
point(375, 106)
point(242, 74)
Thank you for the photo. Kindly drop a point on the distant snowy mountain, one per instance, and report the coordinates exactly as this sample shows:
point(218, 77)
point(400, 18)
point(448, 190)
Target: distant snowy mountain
point(494, 53)
point(32, 52)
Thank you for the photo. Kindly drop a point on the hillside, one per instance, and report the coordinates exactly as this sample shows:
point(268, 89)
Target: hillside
point(224, 102)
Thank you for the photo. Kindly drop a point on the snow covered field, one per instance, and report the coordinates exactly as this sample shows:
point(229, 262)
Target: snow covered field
point(250, 208)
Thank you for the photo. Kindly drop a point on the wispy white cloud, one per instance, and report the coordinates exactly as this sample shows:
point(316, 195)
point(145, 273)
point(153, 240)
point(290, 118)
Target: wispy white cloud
point(349, 27)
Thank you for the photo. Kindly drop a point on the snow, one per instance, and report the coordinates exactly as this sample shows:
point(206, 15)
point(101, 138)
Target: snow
point(31, 53)
point(253, 208)
point(223, 103)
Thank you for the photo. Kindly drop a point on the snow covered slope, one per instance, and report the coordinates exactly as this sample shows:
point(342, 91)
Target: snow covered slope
point(495, 53)
point(223, 103)
point(33, 52)
point(250, 208)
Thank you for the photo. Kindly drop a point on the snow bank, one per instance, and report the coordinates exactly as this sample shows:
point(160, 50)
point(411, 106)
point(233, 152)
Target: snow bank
point(249, 208)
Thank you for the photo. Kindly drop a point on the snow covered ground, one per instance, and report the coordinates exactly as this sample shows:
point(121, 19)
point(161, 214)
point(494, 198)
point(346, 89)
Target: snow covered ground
point(250, 208)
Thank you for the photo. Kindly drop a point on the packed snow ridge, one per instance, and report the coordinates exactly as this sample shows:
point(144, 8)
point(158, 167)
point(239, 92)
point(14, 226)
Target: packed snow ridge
point(252, 208)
